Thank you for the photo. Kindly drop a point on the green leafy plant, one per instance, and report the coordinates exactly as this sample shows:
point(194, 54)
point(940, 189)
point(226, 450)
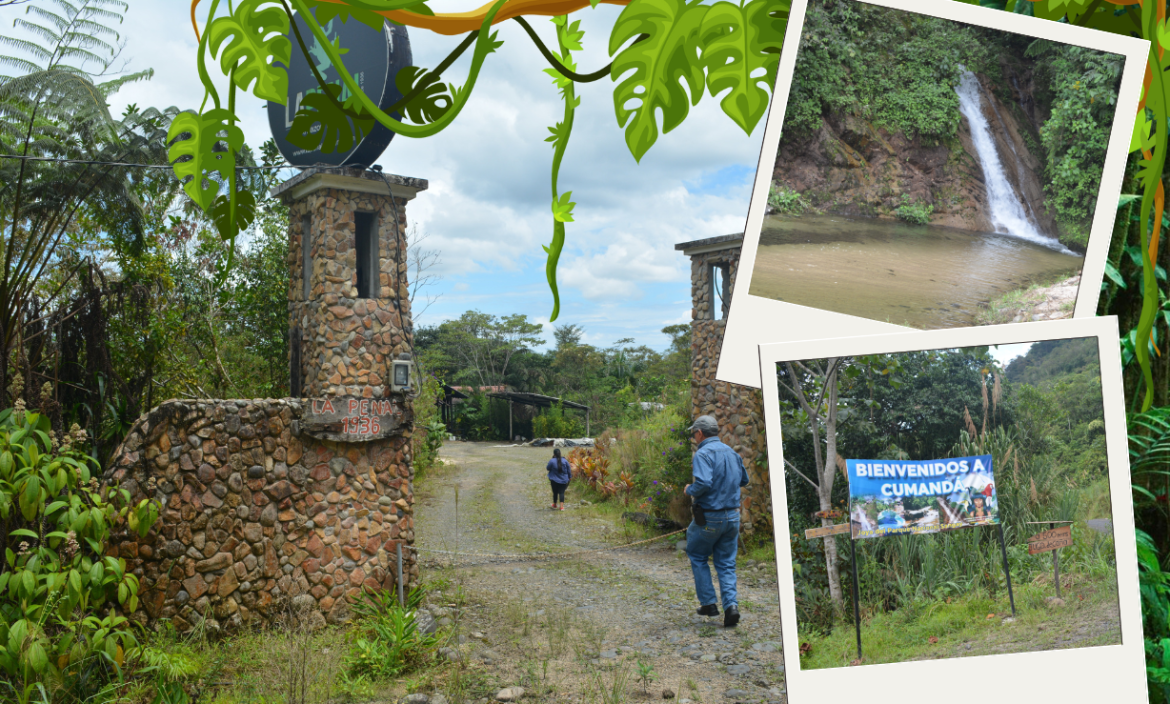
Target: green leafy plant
point(914, 213)
point(645, 674)
point(57, 584)
point(386, 641)
point(785, 200)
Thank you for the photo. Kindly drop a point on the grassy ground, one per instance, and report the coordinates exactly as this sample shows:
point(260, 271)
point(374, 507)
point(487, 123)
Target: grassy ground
point(1021, 301)
point(979, 625)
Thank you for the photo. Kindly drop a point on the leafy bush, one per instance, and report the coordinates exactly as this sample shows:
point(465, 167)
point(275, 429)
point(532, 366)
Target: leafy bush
point(915, 213)
point(1081, 91)
point(553, 423)
point(386, 641)
point(785, 200)
point(59, 638)
point(429, 430)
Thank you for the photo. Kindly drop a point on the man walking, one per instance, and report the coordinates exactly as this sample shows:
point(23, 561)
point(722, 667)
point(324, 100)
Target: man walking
point(714, 533)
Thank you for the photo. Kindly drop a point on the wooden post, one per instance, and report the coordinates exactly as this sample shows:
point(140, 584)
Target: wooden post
point(856, 606)
point(1006, 570)
point(510, 435)
point(586, 422)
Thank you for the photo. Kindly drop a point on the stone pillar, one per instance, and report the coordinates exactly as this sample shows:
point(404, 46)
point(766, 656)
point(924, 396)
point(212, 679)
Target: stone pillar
point(308, 498)
point(738, 409)
point(342, 343)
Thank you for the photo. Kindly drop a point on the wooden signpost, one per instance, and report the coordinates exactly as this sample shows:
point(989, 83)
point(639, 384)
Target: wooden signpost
point(843, 529)
point(839, 529)
point(1051, 540)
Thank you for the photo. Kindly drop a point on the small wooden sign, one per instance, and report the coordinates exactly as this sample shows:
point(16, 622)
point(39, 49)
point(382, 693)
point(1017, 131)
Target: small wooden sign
point(1050, 540)
point(353, 419)
point(839, 529)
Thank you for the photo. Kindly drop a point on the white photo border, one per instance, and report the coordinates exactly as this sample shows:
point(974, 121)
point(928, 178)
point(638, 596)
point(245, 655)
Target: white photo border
point(743, 332)
point(1114, 673)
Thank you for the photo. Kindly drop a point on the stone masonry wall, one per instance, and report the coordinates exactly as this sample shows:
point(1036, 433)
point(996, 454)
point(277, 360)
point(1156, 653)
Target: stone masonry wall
point(739, 409)
point(347, 343)
point(253, 512)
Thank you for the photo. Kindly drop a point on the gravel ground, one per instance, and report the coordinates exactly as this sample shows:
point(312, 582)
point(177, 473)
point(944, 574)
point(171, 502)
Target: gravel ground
point(566, 629)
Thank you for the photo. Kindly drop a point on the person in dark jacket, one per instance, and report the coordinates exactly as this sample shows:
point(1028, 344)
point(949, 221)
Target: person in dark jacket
point(713, 535)
point(559, 474)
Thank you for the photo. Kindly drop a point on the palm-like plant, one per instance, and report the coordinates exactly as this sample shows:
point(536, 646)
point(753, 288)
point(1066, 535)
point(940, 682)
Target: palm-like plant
point(54, 108)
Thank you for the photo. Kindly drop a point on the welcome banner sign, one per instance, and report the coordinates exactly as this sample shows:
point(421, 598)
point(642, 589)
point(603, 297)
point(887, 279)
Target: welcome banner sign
point(895, 497)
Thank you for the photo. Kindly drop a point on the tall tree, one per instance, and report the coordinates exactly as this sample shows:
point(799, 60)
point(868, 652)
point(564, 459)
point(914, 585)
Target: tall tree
point(55, 108)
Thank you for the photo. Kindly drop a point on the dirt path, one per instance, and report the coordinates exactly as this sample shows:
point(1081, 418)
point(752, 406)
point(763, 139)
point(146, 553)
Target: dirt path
point(572, 630)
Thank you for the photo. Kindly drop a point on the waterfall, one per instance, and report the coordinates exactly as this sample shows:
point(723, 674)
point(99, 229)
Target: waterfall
point(1006, 210)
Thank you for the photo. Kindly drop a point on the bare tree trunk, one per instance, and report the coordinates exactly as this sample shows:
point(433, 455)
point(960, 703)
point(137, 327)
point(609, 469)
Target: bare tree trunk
point(826, 462)
point(828, 474)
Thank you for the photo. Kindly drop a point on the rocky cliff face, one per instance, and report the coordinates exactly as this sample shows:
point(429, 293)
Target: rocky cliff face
point(851, 167)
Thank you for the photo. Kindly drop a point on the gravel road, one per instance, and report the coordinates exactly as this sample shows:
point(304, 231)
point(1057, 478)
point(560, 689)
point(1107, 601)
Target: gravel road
point(583, 622)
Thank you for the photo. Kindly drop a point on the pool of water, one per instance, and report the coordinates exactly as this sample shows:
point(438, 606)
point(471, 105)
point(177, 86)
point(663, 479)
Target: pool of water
point(922, 276)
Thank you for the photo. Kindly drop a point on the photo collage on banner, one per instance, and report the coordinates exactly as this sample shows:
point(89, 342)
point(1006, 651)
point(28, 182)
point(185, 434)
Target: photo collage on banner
point(915, 296)
point(893, 497)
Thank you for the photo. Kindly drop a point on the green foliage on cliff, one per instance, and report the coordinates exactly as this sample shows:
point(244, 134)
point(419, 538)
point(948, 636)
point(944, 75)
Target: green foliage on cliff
point(1079, 88)
point(895, 69)
point(914, 213)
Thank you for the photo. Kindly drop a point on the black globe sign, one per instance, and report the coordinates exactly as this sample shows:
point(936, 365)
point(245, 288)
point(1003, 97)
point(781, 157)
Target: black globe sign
point(373, 59)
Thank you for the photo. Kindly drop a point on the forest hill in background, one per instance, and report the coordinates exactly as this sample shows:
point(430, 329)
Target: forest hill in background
point(873, 126)
point(481, 350)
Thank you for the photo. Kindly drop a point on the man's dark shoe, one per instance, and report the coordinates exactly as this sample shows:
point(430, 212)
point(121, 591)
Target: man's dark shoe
point(709, 610)
point(731, 616)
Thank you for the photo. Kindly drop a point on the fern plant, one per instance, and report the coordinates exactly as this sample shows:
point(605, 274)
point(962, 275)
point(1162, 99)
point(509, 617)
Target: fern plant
point(54, 106)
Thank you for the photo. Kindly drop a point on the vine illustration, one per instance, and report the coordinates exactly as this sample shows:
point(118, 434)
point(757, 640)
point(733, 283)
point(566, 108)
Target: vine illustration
point(657, 46)
point(666, 56)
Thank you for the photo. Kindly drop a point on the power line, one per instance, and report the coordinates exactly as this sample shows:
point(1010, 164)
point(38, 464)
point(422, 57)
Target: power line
point(89, 162)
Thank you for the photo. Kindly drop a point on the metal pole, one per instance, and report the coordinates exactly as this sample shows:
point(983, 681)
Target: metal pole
point(510, 435)
point(1006, 570)
point(1055, 565)
point(401, 598)
point(856, 607)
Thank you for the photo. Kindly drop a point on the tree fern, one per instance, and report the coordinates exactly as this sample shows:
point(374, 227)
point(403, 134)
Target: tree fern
point(55, 107)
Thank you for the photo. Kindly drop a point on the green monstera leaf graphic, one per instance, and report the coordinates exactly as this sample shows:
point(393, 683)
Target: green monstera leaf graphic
point(204, 132)
point(432, 103)
point(221, 214)
point(251, 40)
point(323, 123)
point(656, 67)
point(738, 41)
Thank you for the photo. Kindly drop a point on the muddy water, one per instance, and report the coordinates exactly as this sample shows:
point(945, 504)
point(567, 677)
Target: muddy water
point(921, 276)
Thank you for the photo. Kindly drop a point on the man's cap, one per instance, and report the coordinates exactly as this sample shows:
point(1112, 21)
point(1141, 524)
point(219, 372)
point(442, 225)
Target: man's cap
point(707, 424)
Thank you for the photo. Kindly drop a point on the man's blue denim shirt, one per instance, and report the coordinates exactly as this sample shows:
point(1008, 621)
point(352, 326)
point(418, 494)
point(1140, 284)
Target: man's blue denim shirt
point(718, 474)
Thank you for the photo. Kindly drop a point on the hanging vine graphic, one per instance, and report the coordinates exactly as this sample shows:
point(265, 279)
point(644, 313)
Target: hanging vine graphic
point(666, 56)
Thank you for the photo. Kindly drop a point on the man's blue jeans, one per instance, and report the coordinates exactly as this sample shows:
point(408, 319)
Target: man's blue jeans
point(719, 541)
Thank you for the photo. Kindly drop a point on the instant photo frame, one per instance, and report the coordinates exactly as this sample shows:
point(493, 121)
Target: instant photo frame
point(1112, 673)
point(754, 320)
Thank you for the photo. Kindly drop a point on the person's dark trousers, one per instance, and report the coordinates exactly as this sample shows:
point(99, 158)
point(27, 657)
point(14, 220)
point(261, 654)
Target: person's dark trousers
point(558, 490)
point(717, 541)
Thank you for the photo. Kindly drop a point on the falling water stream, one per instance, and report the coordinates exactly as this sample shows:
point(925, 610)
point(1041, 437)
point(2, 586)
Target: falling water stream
point(1007, 211)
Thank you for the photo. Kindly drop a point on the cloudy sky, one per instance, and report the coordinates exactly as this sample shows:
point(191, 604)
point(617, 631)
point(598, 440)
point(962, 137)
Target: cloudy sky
point(487, 209)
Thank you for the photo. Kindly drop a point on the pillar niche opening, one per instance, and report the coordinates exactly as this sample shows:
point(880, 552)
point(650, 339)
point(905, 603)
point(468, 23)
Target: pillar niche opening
point(366, 251)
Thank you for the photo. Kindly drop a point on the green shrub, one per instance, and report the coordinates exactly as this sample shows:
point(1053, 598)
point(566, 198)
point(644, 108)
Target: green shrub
point(429, 430)
point(386, 641)
point(914, 213)
point(59, 638)
point(553, 423)
point(787, 201)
